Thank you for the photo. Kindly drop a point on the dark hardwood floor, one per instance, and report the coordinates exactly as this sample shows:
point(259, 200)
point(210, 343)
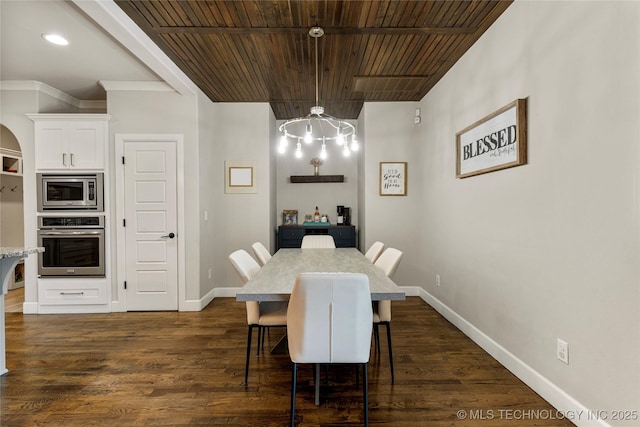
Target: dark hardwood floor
point(186, 369)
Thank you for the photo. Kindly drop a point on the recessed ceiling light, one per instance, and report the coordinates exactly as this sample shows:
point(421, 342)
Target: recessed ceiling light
point(55, 39)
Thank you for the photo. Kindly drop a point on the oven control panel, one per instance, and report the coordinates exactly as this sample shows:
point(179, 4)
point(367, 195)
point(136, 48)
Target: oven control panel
point(50, 222)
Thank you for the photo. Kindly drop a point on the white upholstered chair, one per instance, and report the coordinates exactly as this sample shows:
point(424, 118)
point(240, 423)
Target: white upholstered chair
point(260, 315)
point(374, 251)
point(388, 262)
point(317, 241)
point(261, 252)
point(330, 321)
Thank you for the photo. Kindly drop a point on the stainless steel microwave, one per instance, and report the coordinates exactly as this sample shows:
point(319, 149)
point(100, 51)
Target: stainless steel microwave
point(70, 192)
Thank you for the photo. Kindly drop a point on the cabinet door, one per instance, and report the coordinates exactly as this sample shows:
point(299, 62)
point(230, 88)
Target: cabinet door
point(86, 145)
point(51, 144)
point(70, 144)
point(343, 237)
point(290, 237)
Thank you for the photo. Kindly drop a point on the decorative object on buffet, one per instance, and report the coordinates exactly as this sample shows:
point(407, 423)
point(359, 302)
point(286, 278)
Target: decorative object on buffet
point(393, 178)
point(344, 215)
point(290, 217)
point(316, 218)
point(318, 126)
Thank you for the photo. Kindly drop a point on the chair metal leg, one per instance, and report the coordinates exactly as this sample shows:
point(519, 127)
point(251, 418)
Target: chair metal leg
point(376, 338)
point(388, 325)
point(365, 386)
point(265, 329)
point(293, 394)
point(260, 338)
point(317, 384)
point(246, 366)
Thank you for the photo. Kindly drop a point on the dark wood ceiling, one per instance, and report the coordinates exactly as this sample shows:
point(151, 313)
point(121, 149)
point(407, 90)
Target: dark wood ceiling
point(261, 51)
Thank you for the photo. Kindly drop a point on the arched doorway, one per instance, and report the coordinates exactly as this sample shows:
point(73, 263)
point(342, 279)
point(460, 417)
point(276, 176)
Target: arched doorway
point(12, 211)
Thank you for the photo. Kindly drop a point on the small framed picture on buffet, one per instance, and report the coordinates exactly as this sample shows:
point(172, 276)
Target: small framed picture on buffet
point(290, 217)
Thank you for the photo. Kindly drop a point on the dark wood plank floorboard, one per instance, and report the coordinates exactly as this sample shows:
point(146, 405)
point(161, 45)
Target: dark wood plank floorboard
point(187, 369)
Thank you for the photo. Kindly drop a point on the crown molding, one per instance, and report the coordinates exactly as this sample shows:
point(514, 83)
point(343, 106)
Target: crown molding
point(32, 85)
point(156, 86)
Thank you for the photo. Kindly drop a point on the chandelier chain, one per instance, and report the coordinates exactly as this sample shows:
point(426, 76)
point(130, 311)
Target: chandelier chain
point(316, 132)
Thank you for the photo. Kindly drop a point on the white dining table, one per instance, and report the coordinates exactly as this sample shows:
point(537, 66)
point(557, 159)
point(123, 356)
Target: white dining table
point(274, 281)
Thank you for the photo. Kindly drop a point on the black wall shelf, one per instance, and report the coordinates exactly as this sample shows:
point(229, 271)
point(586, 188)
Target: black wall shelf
point(297, 179)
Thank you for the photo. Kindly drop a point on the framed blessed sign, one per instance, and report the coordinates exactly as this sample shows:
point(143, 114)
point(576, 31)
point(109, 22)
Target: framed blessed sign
point(393, 178)
point(498, 141)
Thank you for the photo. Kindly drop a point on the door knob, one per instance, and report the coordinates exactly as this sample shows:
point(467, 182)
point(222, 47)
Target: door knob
point(169, 236)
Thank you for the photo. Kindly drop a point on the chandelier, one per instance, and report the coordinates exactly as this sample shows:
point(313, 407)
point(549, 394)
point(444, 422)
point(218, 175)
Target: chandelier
point(318, 126)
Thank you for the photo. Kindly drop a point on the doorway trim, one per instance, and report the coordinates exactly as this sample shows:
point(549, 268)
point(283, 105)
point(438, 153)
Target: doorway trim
point(118, 293)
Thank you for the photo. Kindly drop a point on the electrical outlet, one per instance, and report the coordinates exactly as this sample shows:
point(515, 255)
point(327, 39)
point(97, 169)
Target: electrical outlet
point(206, 215)
point(562, 351)
point(209, 273)
point(437, 280)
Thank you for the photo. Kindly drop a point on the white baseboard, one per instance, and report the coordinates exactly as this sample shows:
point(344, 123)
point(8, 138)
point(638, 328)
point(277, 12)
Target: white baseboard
point(573, 410)
point(227, 292)
point(197, 305)
point(118, 307)
point(29, 308)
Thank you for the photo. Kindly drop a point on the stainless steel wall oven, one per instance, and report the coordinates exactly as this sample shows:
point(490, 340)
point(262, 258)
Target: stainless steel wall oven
point(74, 246)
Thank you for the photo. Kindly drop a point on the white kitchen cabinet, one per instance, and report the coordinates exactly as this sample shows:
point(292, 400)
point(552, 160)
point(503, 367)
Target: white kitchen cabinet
point(70, 141)
point(73, 295)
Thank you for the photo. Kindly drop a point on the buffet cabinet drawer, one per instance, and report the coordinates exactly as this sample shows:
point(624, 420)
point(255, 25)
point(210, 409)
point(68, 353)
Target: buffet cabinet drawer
point(343, 237)
point(290, 237)
point(66, 292)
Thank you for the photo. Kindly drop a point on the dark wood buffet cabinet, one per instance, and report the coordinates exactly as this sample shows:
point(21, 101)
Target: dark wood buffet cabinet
point(290, 236)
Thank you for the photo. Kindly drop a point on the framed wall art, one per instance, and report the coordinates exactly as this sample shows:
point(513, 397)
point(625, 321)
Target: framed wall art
point(393, 178)
point(497, 141)
point(240, 177)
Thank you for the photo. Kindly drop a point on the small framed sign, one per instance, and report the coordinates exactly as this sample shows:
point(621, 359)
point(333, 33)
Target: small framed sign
point(495, 142)
point(240, 177)
point(393, 178)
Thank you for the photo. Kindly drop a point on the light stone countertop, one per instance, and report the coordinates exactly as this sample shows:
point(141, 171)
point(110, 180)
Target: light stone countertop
point(275, 279)
point(7, 252)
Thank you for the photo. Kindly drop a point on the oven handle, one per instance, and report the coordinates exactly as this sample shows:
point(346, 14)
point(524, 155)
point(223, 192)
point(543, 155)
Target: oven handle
point(70, 233)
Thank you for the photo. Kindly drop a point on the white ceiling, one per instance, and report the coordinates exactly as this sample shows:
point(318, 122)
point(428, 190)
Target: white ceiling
point(92, 54)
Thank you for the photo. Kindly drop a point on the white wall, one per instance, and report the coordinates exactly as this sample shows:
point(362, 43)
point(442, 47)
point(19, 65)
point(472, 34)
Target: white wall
point(207, 149)
point(242, 132)
point(391, 136)
point(157, 112)
point(550, 249)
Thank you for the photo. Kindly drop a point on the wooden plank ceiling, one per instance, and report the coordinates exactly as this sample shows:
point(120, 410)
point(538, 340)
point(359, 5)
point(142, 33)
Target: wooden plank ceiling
point(261, 51)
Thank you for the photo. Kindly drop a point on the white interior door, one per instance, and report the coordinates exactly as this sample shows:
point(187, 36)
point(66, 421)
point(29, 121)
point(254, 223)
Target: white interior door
point(151, 226)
